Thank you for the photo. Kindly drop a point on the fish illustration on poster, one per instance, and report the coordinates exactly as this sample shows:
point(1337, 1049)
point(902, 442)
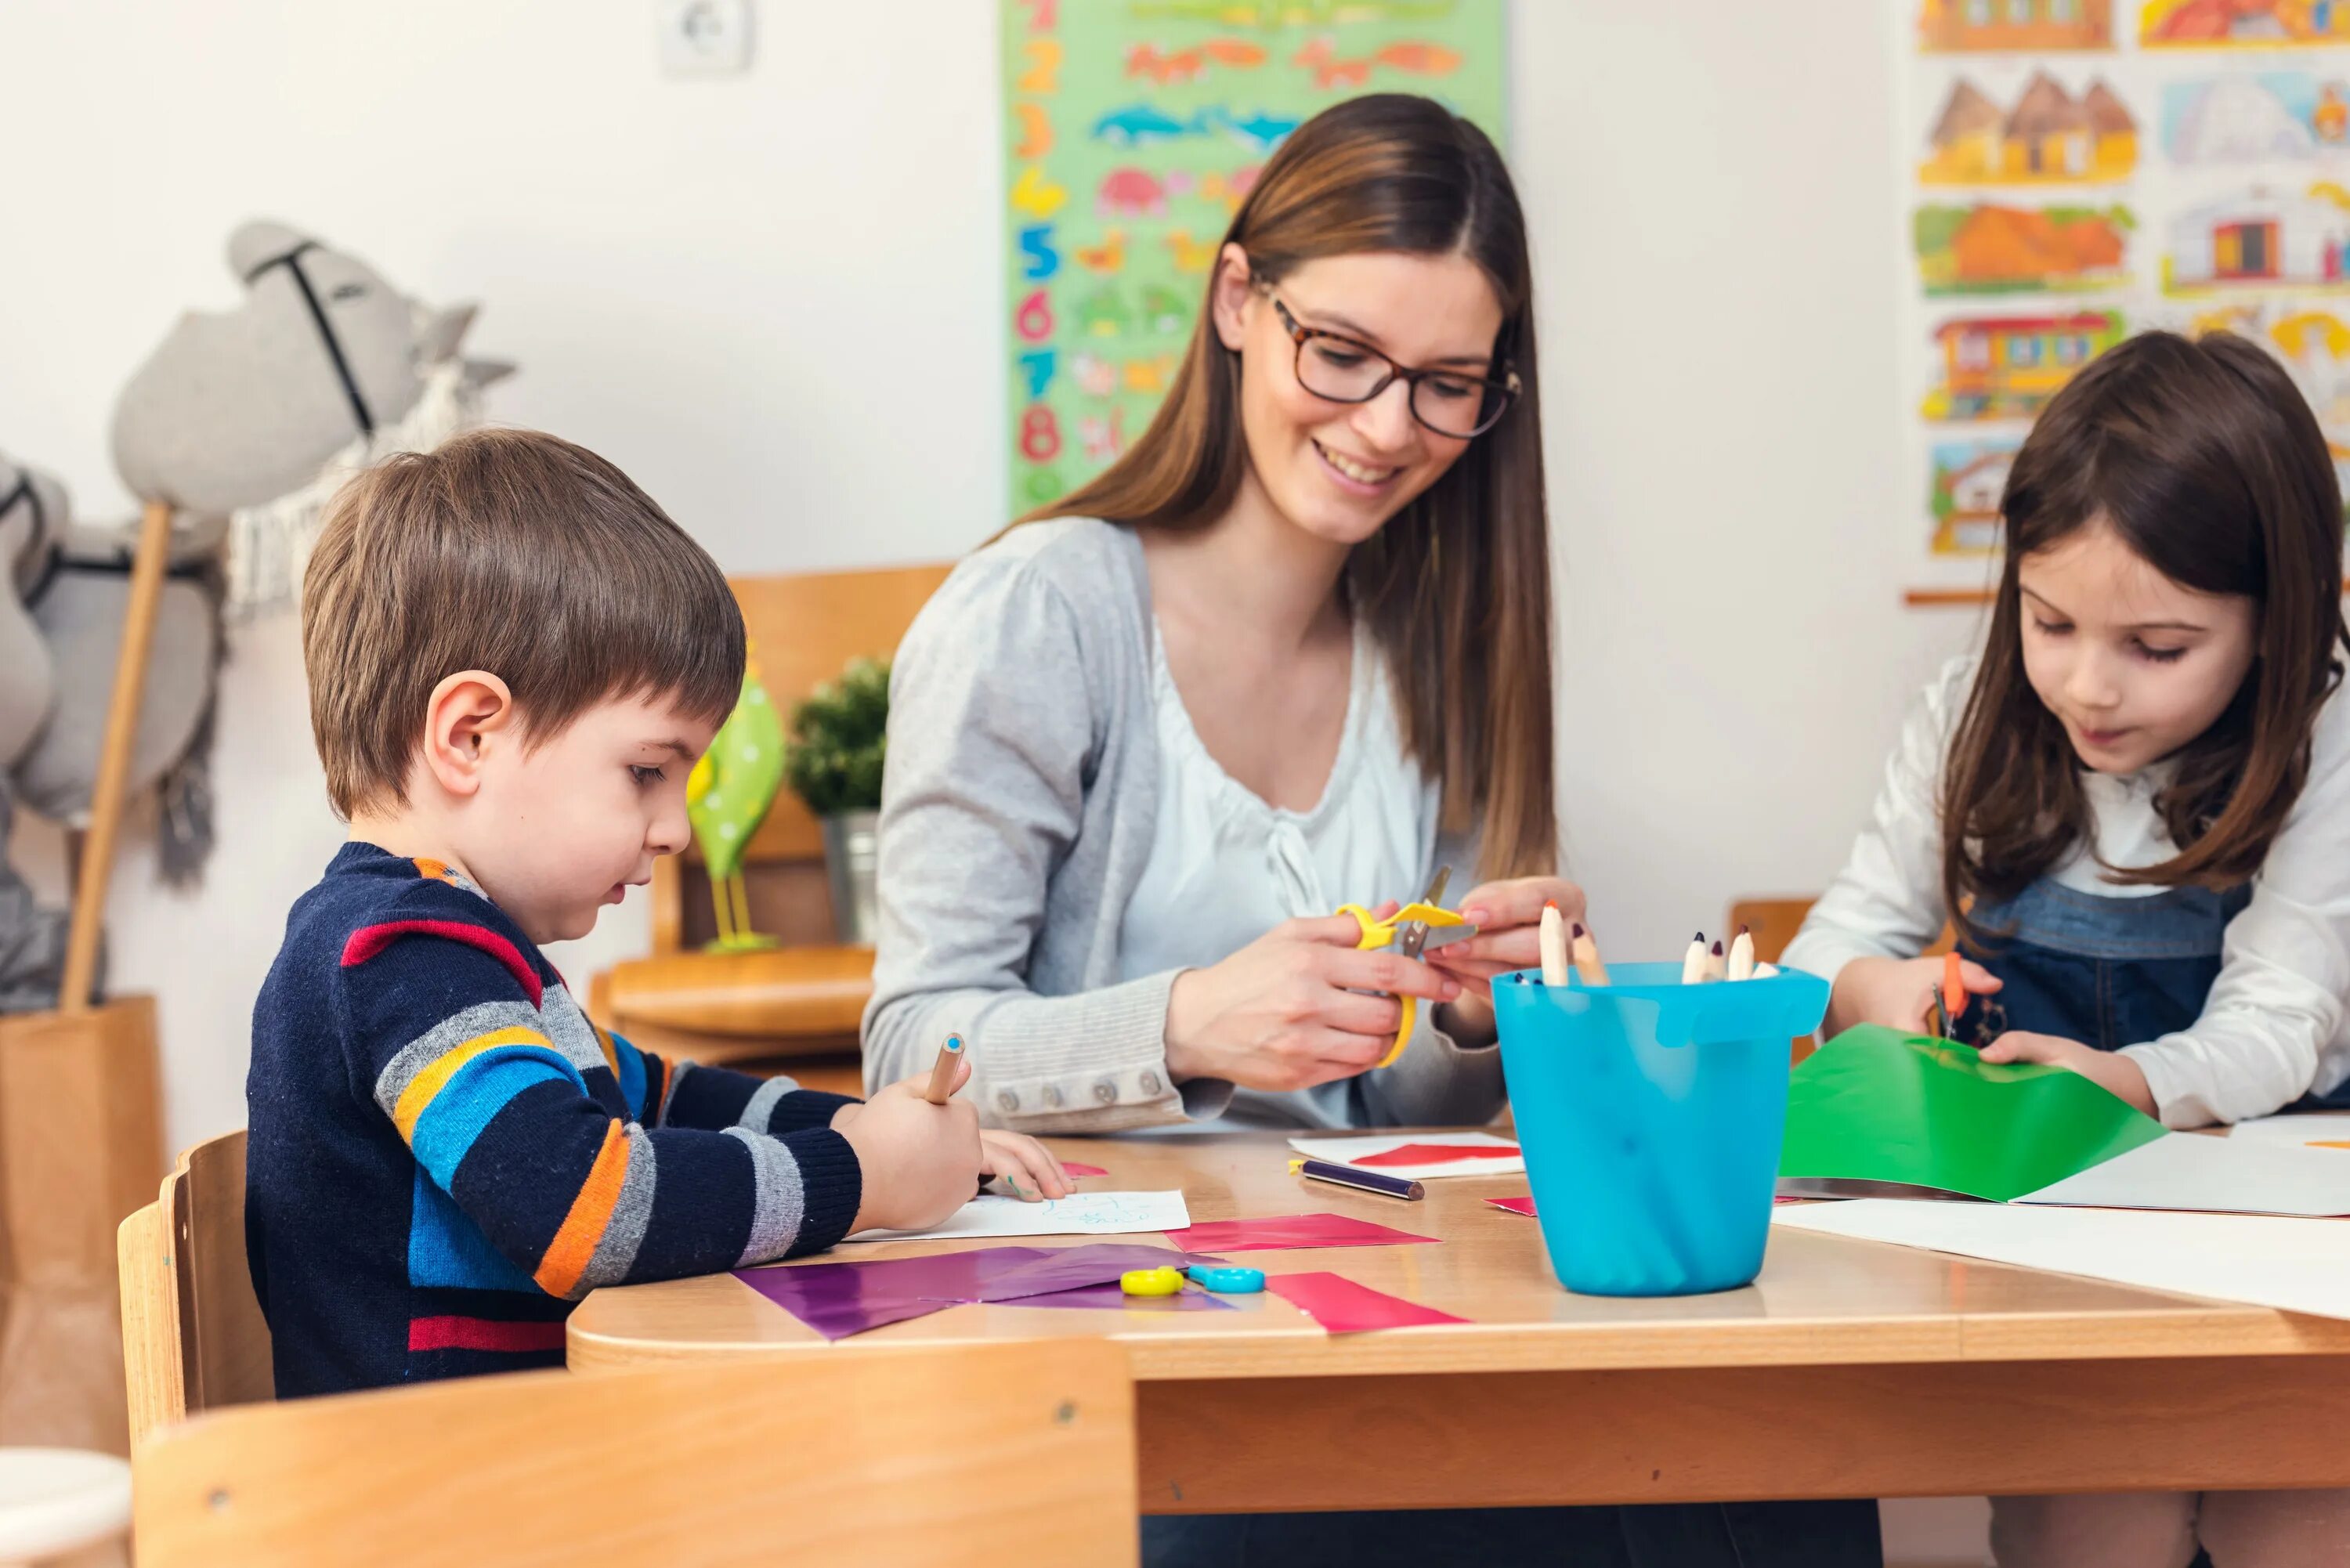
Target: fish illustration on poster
point(1133, 131)
point(2081, 169)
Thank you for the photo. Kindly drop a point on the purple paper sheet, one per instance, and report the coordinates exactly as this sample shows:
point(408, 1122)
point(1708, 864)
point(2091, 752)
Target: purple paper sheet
point(1072, 1267)
point(1110, 1298)
point(837, 1300)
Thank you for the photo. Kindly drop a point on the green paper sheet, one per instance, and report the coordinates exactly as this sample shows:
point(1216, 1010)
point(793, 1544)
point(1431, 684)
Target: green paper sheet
point(1876, 1105)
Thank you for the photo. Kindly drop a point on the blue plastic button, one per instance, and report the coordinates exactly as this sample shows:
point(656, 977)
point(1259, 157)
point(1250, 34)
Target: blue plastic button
point(1231, 1279)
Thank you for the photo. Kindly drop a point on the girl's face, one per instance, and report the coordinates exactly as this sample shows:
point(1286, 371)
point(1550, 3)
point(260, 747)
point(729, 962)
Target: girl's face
point(1339, 471)
point(2134, 664)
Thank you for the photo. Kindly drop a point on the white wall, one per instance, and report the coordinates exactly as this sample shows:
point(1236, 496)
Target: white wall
point(728, 285)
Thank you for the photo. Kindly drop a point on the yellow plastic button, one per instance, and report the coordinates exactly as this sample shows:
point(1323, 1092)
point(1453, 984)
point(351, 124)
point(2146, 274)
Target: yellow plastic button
point(1150, 1281)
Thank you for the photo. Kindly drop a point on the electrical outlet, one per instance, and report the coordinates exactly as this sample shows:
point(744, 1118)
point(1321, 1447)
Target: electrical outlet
point(704, 38)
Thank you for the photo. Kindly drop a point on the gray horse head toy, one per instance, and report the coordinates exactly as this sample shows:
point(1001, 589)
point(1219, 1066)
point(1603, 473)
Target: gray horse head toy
point(245, 421)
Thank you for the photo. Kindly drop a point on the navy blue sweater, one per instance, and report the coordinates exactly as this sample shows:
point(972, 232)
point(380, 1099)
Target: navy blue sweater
point(445, 1154)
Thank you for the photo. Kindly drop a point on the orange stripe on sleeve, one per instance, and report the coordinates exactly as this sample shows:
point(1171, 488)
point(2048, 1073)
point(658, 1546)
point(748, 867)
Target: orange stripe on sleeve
point(575, 1243)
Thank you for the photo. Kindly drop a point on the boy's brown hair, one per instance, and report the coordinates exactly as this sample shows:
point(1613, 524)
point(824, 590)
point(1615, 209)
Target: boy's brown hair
point(512, 552)
point(2207, 462)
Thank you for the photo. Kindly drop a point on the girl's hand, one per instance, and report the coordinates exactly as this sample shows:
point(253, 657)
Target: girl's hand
point(2109, 1070)
point(1288, 1011)
point(1895, 992)
point(1024, 1165)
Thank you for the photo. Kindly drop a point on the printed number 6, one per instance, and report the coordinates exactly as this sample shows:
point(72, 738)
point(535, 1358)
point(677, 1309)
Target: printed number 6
point(1034, 318)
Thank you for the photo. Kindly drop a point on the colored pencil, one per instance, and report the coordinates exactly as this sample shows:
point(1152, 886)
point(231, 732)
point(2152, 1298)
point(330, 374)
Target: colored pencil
point(1586, 958)
point(1741, 955)
point(1553, 945)
point(1693, 961)
point(943, 1072)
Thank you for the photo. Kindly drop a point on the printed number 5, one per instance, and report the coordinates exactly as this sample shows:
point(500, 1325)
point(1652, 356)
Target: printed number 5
point(1036, 244)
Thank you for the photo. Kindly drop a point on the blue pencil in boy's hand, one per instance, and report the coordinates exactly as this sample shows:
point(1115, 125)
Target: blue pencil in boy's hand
point(943, 1072)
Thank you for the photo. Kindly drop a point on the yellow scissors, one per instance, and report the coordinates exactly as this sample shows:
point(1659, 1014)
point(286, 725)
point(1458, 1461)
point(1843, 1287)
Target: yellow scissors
point(1414, 929)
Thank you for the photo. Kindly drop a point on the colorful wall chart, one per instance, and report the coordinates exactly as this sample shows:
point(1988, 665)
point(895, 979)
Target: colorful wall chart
point(2080, 169)
point(1133, 128)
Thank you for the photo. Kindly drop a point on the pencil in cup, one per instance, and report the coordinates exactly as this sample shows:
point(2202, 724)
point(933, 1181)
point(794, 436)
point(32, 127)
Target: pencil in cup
point(943, 1074)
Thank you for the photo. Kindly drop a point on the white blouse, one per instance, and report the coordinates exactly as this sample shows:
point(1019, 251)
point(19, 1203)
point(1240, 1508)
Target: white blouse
point(1226, 867)
point(2274, 1026)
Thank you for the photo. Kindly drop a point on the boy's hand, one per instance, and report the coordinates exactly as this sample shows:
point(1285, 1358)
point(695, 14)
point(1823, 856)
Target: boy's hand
point(2109, 1070)
point(1024, 1165)
point(1895, 992)
point(919, 1162)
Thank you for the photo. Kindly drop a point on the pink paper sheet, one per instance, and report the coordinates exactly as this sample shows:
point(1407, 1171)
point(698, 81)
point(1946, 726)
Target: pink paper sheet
point(1288, 1230)
point(1524, 1206)
point(1342, 1306)
point(1434, 1154)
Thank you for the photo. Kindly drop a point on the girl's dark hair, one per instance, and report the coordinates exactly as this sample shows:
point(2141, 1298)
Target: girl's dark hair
point(1456, 586)
point(2208, 463)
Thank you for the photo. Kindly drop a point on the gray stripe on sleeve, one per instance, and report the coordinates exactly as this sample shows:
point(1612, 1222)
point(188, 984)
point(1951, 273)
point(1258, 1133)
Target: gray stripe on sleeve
point(632, 1211)
point(568, 1028)
point(761, 1104)
point(444, 1038)
point(780, 1204)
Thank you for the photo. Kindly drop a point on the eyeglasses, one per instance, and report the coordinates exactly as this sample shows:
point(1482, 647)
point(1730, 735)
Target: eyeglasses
point(1341, 369)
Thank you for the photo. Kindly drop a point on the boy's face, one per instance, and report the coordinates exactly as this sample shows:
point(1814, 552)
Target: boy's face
point(566, 826)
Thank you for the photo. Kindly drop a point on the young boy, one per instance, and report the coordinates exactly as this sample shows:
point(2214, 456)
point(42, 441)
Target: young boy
point(515, 658)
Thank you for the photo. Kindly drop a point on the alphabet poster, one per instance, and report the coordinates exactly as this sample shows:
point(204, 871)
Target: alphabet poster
point(1133, 130)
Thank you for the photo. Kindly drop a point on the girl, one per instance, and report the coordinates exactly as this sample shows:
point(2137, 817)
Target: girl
point(2134, 806)
point(1291, 651)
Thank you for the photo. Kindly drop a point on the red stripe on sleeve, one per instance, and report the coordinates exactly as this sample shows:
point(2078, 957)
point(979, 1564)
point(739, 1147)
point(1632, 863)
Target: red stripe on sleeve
point(482, 1333)
point(369, 941)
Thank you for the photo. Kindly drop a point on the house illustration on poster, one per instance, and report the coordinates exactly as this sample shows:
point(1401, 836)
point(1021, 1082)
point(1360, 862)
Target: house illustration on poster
point(2315, 347)
point(2008, 366)
point(1970, 477)
point(1955, 26)
point(2261, 238)
point(2274, 116)
point(2050, 135)
point(2259, 23)
point(1987, 248)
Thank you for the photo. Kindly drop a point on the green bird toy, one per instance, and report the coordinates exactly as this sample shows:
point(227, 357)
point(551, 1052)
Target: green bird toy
point(727, 796)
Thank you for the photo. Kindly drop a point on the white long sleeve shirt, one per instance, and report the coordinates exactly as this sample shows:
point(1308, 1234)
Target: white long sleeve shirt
point(2273, 1027)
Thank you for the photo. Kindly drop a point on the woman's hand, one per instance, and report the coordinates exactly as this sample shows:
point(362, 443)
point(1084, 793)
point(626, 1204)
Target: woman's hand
point(1895, 992)
point(2109, 1070)
point(1024, 1165)
point(1287, 1011)
point(1508, 917)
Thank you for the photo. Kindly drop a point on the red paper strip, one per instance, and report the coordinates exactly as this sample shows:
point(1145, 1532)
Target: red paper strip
point(1342, 1306)
point(1072, 1169)
point(1434, 1154)
point(1524, 1206)
point(1288, 1230)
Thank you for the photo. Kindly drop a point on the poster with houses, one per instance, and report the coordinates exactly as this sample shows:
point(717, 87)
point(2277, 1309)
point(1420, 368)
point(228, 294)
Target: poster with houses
point(2080, 169)
point(1132, 131)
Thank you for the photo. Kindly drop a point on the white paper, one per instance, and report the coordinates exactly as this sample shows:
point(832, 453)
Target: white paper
point(2297, 1130)
point(2212, 1175)
point(2296, 1265)
point(1347, 1150)
point(1085, 1214)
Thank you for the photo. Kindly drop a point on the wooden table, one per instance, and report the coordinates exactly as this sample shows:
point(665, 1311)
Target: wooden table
point(1849, 1369)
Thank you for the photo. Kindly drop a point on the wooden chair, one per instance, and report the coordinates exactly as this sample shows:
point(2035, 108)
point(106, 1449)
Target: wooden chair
point(193, 1338)
point(981, 1456)
point(1775, 921)
point(805, 1000)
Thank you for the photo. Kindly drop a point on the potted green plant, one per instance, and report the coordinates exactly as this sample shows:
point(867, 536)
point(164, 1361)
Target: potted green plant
point(840, 736)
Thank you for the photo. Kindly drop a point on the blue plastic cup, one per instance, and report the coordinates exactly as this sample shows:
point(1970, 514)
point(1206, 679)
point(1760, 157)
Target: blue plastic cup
point(1651, 1113)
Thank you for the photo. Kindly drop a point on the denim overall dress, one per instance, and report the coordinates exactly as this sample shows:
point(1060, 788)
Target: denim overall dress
point(2103, 969)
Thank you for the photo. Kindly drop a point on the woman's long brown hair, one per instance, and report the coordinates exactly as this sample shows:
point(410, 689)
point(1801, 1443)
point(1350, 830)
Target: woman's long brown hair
point(1456, 586)
point(2208, 463)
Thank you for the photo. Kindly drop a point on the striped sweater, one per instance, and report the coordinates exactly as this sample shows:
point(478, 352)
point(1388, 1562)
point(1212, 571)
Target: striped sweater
point(445, 1154)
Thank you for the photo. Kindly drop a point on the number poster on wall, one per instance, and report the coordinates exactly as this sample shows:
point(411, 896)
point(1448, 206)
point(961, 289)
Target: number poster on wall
point(2081, 169)
point(1133, 130)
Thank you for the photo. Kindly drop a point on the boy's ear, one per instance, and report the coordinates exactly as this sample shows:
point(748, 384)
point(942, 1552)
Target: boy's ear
point(467, 711)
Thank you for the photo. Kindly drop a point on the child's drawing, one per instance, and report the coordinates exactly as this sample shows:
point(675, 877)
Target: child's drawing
point(1969, 479)
point(2262, 238)
point(1968, 27)
point(1986, 248)
point(1331, 71)
point(2007, 366)
point(2254, 117)
point(2242, 24)
point(1154, 64)
point(2050, 135)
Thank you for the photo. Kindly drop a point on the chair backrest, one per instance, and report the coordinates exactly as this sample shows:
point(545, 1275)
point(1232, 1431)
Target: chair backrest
point(973, 1454)
point(804, 628)
point(193, 1338)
